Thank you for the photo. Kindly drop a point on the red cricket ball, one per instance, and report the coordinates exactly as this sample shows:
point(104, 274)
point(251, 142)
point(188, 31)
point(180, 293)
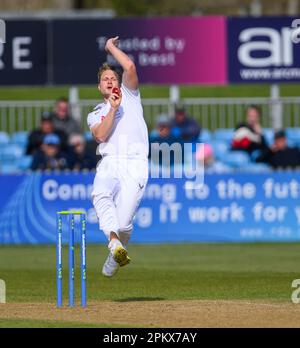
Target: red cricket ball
point(116, 90)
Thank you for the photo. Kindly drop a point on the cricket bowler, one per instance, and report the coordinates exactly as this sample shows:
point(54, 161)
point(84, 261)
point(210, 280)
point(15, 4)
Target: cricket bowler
point(119, 127)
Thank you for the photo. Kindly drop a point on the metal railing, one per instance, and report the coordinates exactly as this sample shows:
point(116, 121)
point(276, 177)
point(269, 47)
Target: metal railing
point(211, 113)
point(215, 113)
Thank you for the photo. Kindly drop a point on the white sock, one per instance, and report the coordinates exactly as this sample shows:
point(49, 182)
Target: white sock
point(113, 244)
point(124, 238)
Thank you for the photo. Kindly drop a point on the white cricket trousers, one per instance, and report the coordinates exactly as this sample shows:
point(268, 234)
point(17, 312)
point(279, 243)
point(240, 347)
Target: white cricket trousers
point(118, 188)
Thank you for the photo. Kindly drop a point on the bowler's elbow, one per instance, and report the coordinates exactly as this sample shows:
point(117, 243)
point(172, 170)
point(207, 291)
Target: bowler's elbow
point(100, 138)
point(130, 68)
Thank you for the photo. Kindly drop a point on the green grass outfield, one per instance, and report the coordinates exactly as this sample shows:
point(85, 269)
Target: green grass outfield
point(150, 91)
point(256, 271)
point(160, 272)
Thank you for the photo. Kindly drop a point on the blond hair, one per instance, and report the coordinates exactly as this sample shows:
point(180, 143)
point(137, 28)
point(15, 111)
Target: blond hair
point(105, 67)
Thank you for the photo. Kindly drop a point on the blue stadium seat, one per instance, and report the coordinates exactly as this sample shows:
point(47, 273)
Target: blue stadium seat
point(255, 154)
point(236, 159)
point(219, 148)
point(292, 132)
point(153, 134)
point(205, 136)
point(175, 132)
point(10, 153)
point(268, 133)
point(20, 138)
point(9, 168)
point(88, 136)
point(293, 136)
point(224, 134)
point(256, 168)
point(293, 142)
point(4, 138)
point(218, 167)
point(24, 163)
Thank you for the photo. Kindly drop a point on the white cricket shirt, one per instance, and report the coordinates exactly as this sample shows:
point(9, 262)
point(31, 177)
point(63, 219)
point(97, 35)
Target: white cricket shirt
point(129, 135)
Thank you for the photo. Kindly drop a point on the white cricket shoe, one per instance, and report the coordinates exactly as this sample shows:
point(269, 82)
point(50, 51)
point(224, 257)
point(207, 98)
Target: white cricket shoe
point(110, 267)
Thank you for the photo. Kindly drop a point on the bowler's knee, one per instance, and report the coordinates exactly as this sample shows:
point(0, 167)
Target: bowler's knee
point(125, 227)
point(101, 198)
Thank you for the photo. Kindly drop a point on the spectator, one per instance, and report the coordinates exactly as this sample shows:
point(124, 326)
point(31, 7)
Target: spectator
point(36, 137)
point(280, 155)
point(186, 127)
point(91, 147)
point(63, 120)
point(163, 132)
point(205, 157)
point(163, 135)
point(82, 159)
point(248, 136)
point(50, 157)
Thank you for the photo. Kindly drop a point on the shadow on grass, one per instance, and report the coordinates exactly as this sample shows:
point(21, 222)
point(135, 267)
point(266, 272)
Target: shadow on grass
point(134, 299)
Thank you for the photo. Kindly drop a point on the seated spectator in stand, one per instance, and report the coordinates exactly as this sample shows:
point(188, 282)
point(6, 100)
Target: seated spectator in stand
point(91, 147)
point(36, 137)
point(163, 131)
point(248, 136)
point(186, 127)
point(50, 157)
point(205, 157)
point(81, 158)
point(280, 155)
point(62, 118)
point(163, 135)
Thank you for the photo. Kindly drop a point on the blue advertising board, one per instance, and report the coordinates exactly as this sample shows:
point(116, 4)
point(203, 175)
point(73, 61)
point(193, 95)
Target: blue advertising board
point(228, 208)
point(163, 49)
point(70, 51)
point(262, 50)
point(227, 50)
point(24, 55)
